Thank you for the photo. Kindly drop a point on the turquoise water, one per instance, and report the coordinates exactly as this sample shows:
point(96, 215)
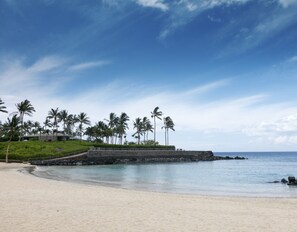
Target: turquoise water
point(225, 177)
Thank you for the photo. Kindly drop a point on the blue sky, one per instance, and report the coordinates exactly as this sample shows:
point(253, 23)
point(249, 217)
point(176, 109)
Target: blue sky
point(224, 70)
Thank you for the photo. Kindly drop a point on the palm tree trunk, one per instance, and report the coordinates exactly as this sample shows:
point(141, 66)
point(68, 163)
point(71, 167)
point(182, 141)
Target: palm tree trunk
point(154, 129)
point(167, 136)
point(7, 150)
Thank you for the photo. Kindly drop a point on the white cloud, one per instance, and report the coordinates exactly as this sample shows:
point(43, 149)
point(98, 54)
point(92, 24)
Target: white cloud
point(47, 63)
point(88, 65)
point(281, 131)
point(286, 3)
point(293, 59)
point(199, 122)
point(154, 3)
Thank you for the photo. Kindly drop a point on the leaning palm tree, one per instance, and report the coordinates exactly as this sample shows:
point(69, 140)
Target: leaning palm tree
point(168, 124)
point(82, 119)
point(2, 107)
point(24, 108)
point(54, 114)
point(11, 129)
point(147, 127)
point(156, 114)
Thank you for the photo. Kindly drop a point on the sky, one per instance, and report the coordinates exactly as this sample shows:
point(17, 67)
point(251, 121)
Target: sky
point(225, 71)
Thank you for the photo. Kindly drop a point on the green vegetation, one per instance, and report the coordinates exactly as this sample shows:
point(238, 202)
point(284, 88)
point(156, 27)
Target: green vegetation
point(112, 132)
point(26, 150)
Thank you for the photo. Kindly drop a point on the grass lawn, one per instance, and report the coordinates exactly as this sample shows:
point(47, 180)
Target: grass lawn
point(26, 150)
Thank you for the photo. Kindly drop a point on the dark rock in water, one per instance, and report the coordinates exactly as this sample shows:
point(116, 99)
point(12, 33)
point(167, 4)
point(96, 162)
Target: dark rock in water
point(239, 158)
point(273, 182)
point(284, 181)
point(291, 179)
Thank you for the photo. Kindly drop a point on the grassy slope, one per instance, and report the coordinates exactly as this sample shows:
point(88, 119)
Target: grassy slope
point(27, 150)
point(38, 149)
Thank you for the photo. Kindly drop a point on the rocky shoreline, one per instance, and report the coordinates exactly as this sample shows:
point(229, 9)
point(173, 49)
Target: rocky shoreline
point(108, 157)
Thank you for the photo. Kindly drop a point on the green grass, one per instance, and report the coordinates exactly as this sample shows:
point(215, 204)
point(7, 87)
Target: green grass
point(27, 150)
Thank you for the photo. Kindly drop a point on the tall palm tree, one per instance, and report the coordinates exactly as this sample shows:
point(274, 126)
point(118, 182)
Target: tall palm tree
point(63, 115)
point(147, 127)
point(138, 125)
point(24, 108)
point(82, 119)
point(11, 128)
point(2, 107)
point(54, 114)
point(122, 126)
point(168, 124)
point(156, 114)
point(112, 122)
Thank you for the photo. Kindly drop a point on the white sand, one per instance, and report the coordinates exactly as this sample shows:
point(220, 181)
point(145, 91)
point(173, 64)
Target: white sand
point(29, 203)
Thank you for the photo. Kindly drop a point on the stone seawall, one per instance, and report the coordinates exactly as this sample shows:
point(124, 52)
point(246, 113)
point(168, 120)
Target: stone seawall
point(103, 157)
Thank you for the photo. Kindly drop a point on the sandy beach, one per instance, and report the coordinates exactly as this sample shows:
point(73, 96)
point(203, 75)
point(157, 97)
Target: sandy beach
point(29, 203)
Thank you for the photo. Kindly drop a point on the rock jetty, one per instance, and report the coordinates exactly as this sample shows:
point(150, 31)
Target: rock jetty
point(113, 156)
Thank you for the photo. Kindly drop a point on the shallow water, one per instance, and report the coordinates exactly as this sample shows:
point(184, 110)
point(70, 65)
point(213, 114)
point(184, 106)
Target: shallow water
point(225, 177)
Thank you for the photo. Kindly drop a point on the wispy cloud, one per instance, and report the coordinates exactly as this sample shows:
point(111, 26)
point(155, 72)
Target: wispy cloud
point(154, 4)
point(183, 12)
point(286, 3)
point(88, 65)
point(191, 111)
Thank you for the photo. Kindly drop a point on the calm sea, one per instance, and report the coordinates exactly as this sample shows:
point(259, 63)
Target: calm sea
point(225, 177)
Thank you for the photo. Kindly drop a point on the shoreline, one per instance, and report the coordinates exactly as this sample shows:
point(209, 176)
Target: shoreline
point(31, 171)
point(30, 203)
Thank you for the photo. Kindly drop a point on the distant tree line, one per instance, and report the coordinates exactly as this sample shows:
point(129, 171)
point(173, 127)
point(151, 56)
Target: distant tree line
point(112, 130)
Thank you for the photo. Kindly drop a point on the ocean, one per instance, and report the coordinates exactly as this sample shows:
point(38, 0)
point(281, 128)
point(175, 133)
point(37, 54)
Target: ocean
point(250, 178)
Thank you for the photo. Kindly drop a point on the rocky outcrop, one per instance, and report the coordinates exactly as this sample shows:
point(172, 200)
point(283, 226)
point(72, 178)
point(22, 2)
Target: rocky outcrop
point(104, 157)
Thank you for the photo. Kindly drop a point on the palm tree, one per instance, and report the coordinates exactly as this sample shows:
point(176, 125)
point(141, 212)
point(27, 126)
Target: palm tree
point(168, 124)
point(24, 108)
point(122, 126)
point(54, 114)
point(156, 114)
point(138, 125)
point(63, 116)
point(70, 122)
point(82, 119)
point(112, 122)
point(47, 123)
point(2, 108)
point(147, 127)
point(11, 128)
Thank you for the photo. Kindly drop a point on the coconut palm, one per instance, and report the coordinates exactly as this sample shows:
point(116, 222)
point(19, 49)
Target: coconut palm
point(112, 122)
point(156, 114)
point(54, 114)
point(138, 125)
point(47, 123)
point(63, 116)
point(82, 119)
point(122, 126)
point(168, 124)
point(147, 127)
point(11, 129)
point(24, 108)
point(2, 107)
